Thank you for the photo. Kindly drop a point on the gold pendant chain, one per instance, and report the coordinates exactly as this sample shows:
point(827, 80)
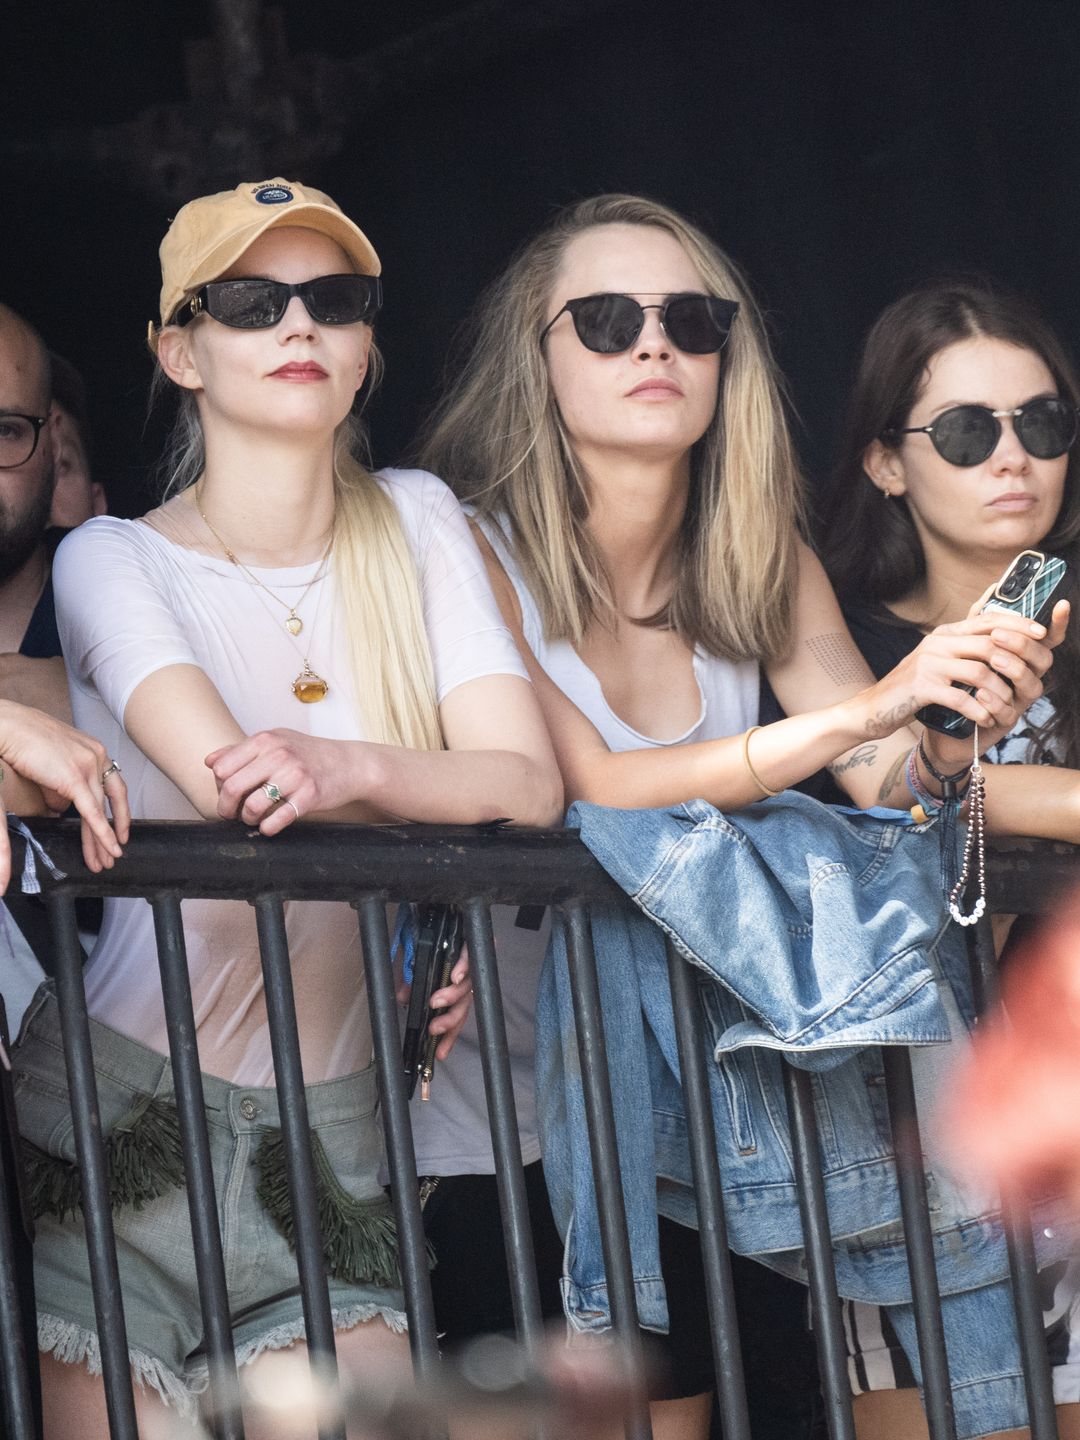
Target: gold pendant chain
point(308, 687)
point(292, 621)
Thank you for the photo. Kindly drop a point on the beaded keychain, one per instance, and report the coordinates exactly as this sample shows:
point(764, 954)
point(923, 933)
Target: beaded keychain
point(974, 844)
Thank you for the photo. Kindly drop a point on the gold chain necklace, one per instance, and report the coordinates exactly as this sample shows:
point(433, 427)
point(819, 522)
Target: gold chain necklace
point(292, 622)
point(308, 687)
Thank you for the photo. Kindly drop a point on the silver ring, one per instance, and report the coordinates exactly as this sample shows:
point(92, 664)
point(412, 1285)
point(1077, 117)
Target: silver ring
point(272, 793)
point(111, 769)
point(292, 806)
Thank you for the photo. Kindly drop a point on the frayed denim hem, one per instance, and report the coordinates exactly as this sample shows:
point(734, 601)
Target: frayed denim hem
point(344, 1318)
point(74, 1345)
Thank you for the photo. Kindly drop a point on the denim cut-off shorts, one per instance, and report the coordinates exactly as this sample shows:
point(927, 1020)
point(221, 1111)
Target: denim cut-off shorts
point(154, 1242)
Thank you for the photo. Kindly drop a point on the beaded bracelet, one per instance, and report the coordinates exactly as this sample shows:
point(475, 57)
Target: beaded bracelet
point(930, 803)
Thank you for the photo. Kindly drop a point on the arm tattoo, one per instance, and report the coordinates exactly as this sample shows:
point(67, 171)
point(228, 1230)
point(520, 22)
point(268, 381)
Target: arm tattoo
point(838, 657)
point(886, 721)
point(861, 755)
point(889, 783)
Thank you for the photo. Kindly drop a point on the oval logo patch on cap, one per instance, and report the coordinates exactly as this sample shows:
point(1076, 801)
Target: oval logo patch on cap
point(273, 194)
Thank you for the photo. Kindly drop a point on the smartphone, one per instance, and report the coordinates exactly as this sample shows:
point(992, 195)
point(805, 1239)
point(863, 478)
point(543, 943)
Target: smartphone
point(1031, 586)
point(439, 941)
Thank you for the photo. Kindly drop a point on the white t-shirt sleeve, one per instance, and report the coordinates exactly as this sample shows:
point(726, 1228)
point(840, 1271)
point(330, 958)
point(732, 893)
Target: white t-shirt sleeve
point(112, 610)
point(467, 635)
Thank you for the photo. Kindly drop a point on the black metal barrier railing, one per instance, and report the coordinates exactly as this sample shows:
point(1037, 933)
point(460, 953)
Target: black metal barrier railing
point(367, 866)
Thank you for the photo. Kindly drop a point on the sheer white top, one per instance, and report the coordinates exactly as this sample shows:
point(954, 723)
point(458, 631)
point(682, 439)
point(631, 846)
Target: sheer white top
point(451, 1130)
point(130, 602)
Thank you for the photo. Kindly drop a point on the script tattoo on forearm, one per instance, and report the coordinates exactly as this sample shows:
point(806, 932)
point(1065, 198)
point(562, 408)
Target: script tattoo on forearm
point(838, 657)
point(889, 783)
point(886, 721)
point(862, 755)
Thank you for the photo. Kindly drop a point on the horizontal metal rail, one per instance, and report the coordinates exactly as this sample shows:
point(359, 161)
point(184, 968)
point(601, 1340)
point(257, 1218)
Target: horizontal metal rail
point(474, 867)
point(441, 863)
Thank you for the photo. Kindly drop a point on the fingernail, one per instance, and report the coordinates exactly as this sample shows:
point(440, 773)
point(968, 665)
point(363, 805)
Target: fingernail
point(996, 661)
point(1038, 629)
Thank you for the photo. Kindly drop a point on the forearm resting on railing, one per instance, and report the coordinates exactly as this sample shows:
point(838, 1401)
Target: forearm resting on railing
point(779, 755)
point(464, 787)
point(1038, 800)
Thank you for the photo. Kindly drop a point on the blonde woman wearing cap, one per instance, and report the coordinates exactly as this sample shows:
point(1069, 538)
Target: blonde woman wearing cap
point(286, 638)
point(616, 425)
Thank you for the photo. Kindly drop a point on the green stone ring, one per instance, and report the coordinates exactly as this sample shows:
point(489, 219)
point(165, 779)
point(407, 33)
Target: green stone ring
point(272, 793)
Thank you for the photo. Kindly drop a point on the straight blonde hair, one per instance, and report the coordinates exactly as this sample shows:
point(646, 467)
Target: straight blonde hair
point(389, 654)
point(498, 439)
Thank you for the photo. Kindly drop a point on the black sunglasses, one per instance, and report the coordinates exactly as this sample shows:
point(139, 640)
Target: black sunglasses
point(610, 324)
point(968, 434)
point(257, 304)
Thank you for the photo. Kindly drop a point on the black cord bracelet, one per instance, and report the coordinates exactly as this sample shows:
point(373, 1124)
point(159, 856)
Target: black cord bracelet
point(937, 774)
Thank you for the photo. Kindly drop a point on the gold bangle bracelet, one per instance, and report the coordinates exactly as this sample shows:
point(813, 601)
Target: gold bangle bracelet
point(765, 790)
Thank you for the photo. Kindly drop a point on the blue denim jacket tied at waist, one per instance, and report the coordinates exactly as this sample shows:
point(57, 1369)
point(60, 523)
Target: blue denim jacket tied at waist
point(821, 934)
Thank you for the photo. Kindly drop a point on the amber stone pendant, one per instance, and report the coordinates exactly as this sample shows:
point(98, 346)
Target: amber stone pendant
point(308, 687)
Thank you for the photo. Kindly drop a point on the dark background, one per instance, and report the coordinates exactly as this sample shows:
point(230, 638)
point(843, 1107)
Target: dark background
point(839, 152)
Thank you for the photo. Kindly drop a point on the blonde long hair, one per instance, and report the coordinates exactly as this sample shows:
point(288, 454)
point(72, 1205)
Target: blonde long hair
point(498, 438)
point(389, 654)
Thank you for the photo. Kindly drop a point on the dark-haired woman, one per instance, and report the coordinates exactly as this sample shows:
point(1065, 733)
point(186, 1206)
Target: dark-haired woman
point(959, 453)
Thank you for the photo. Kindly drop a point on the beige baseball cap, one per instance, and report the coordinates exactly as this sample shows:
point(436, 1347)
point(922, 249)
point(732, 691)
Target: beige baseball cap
point(211, 233)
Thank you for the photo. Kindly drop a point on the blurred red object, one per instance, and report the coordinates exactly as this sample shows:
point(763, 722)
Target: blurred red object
point(1014, 1116)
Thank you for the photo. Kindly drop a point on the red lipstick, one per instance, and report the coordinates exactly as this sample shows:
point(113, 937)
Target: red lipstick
point(301, 370)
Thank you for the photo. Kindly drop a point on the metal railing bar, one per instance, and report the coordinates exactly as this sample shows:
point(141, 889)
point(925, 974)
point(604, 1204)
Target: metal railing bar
point(712, 1224)
point(918, 1238)
point(821, 1272)
point(400, 1153)
point(600, 1120)
point(1029, 877)
point(296, 1138)
point(224, 1419)
point(982, 958)
point(16, 1392)
point(90, 1152)
point(502, 1115)
point(437, 863)
point(1034, 1360)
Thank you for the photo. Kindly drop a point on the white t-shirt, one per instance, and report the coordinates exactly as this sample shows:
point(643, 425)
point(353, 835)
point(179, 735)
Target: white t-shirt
point(451, 1129)
point(130, 602)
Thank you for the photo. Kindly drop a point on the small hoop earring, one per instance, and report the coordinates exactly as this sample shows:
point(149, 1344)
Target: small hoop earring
point(886, 494)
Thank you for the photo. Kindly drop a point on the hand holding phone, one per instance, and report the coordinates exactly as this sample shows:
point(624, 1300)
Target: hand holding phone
point(1031, 586)
point(439, 942)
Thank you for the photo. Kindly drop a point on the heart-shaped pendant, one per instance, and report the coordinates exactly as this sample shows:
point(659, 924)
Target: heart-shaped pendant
point(294, 624)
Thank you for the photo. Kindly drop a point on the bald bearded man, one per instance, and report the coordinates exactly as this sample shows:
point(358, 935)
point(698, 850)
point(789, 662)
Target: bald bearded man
point(31, 670)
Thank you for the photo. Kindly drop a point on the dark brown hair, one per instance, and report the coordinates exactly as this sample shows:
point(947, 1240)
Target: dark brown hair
point(870, 546)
